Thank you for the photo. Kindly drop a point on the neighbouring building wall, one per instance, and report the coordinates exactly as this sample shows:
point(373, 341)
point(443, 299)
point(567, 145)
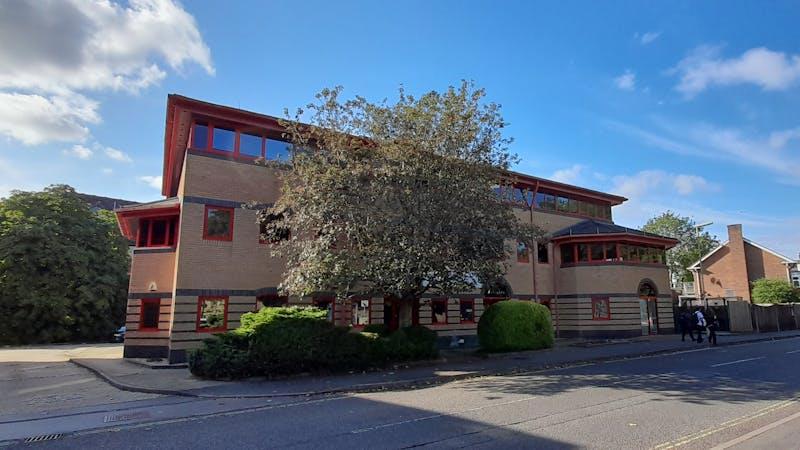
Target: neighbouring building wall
point(724, 273)
point(763, 264)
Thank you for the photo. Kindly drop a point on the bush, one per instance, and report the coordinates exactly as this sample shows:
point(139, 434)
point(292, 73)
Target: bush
point(515, 325)
point(291, 340)
point(377, 328)
point(773, 291)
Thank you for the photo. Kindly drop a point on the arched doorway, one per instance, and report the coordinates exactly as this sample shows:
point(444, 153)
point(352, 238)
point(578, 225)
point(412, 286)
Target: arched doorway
point(648, 306)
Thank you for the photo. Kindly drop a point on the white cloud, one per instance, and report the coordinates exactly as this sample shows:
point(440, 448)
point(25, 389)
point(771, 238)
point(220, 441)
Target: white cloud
point(35, 119)
point(54, 52)
point(646, 181)
point(626, 81)
point(648, 37)
point(686, 184)
point(79, 151)
point(704, 67)
point(770, 153)
point(569, 175)
point(117, 155)
point(151, 180)
point(107, 171)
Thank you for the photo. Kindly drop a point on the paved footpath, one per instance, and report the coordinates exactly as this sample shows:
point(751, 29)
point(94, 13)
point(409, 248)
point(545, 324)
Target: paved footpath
point(454, 366)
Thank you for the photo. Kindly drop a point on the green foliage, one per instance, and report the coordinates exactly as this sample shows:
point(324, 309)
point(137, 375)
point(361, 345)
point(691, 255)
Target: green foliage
point(292, 340)
point(399, 196)
point(515, 325)
point(691, 247)
point(378, 328)
point(63, 269)
point(773, 291)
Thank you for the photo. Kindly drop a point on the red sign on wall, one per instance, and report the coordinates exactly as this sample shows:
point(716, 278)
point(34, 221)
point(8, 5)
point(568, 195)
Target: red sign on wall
point(601, 308)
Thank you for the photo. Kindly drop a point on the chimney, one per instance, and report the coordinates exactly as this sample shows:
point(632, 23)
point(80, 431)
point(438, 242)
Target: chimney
point(738, 281)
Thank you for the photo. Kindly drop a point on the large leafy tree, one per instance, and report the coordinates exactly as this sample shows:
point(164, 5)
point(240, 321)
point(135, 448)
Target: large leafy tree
point(395, 198)
point(773, 291)
point(692, 244)
point(63, 268)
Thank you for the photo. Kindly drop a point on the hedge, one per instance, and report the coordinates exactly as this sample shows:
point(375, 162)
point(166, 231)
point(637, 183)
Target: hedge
point(515, 325)
point(292, 340)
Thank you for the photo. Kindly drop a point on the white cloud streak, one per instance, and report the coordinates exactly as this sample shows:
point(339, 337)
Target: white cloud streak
point(649, 37)
point(117, 155)
point(79, 151)
point(151, 180)
point(569, 175)
point(626, 81)
point(704, 68)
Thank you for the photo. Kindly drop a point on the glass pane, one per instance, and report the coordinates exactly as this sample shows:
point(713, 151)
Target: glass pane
point(522, 252)
point(144, 229)
point(567, 254)
point(278, 150)
point(212, 314)
point(150, 312)
point(573, 206)
point(583, 207)
point(539, 200)
point(597, 252)
point(611, 252)
point(591, 209)
point(249, 144)
point(563, 204)
point(218, 223)
point(439, 311)
point(519, 196)
point(159, 233)
point(200, 136)
point(360, 312)
point(467, 311)
point(541, 251)
point(583, 252)
point(224, 139)
point(549, 202)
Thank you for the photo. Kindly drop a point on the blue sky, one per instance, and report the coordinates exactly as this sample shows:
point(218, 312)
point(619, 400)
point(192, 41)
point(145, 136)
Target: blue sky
point(686, 106)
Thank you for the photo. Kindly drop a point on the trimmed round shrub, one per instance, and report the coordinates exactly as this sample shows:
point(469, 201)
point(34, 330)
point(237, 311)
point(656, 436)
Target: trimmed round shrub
point(224, 356)
point(515, 325)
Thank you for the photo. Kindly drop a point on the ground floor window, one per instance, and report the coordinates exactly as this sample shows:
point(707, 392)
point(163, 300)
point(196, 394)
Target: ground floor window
point(361, 312)
point(467, 310)
point(212, 314)
point(439, 311)
point(325, 303)
point(148, 314)
point(273, 300)
point(601, 308)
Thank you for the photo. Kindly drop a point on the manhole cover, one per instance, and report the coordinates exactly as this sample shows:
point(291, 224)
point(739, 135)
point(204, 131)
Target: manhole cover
point(128, 416)
point(44, 437)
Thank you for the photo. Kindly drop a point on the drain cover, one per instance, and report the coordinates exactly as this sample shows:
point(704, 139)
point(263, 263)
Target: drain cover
point(129, 416)
point(44, 437)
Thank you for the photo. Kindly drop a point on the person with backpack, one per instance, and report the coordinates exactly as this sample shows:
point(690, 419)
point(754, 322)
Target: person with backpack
point(699, 323)
point(713, 326)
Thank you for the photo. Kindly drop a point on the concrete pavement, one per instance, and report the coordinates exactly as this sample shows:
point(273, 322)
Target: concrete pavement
point(456, 366)
point(698, 398)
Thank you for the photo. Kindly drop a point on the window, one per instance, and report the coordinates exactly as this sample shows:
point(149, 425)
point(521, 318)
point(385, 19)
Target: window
point(439, 311)
point(542, 255)
point(218, 224)
point(601, 308)
point(563, 204)
point(200, 136)
point(324, 302)
point(157, 232)
point(523, 255)
point(796, 281)
point(249, 144)
point(583, 252)
point(273, 300)
point(573, 206)
point(212, 314)
point(549, 202)
point(567, 254)
point(597, 252)
point(361, 312)
point(148, 314)
point(224, 139)
point(538, 201)
point(611, 252)
point(467, 310)
point(278, 150)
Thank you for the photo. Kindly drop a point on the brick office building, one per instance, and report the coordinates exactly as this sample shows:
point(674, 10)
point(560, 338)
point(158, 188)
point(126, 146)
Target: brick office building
point(199, 265)
point(728, 270)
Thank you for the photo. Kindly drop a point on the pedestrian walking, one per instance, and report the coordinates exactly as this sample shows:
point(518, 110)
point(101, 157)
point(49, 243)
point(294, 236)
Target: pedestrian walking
point(713, 326)
point(699, 323)
point(685, 322)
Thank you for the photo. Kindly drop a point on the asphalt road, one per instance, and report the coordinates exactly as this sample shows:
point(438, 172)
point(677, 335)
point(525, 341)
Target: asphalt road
point(734, 397)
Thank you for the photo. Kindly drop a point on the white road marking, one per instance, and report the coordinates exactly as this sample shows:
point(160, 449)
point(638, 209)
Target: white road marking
point(755, 433)
point(737, 361)
point(793, 351)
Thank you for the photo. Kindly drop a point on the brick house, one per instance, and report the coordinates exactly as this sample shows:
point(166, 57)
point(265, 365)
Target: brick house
point(728, 270)
point(199, 264)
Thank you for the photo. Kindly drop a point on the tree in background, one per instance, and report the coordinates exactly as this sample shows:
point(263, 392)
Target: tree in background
point(63, 268)
point(773, 291)
point(395, 199)
point(691, 247)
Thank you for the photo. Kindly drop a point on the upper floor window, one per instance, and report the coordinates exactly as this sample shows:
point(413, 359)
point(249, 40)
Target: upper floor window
point(250, 144)
point(224, 139)
point(523, 255)
point(610, 252)
point(541, 251)
point(157, 232)
point(278, 150)
point(200, 136)
point(218, 223)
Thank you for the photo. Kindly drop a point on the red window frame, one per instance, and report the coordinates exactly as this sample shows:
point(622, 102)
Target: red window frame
point(369, 312)
point(461, 304)
point(238, 130)
point(149, 301)
point(170, 235)
point(229, 236)
point(597, 313)
point(439, 300)
point(200, 301)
